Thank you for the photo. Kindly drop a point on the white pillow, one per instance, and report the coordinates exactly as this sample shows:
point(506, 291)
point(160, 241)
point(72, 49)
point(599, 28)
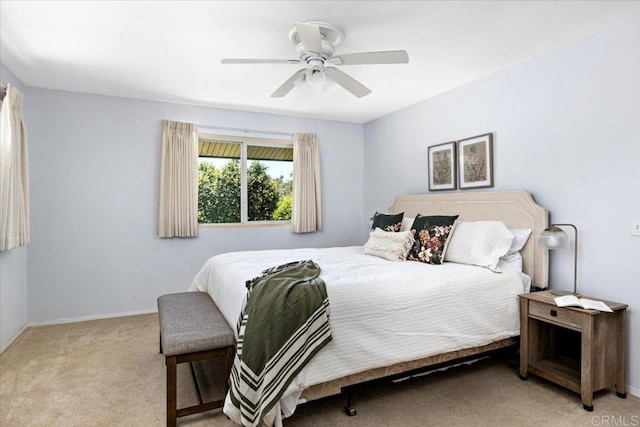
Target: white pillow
point(393, 246)
point(406, 224)
point(521, 236)
point(513, 256)
point(479, 243)
point(515, 259)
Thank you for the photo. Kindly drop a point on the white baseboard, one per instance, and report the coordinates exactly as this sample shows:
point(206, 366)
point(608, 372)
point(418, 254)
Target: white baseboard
point(14, 337)
point(86, 318)
point(633, 390)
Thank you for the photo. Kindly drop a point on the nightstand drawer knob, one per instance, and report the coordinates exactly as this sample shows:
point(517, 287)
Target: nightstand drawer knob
point(553, 313)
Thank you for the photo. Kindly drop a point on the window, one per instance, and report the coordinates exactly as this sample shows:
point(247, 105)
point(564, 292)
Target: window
point(244, 180)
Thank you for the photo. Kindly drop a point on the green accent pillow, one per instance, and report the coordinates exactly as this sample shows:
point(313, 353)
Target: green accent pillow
point(387, 222)
point(430, 235)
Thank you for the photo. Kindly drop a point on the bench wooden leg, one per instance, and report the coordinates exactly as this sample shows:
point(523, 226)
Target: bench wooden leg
point(173, 413)
point(171, 391)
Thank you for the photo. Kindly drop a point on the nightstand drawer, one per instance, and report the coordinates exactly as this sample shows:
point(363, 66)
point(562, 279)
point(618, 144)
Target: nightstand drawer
point(556, 314)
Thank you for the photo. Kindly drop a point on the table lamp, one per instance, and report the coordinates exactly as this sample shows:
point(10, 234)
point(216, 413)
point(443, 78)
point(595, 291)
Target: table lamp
point(554, 237)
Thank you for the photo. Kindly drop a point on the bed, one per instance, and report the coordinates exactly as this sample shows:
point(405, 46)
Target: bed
point(430, 314)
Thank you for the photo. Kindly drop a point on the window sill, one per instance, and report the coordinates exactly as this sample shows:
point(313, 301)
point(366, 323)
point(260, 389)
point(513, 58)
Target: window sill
point(257, 224)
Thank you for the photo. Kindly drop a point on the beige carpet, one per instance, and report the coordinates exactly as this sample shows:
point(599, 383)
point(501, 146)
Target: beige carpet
point(109, 373)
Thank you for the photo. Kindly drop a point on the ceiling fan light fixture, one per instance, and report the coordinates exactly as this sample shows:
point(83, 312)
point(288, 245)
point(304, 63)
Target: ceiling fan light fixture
point(315, 76)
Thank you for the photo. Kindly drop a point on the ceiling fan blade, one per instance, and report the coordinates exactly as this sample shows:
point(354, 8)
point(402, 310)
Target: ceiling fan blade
point(384, 57)
point(349, 83)
point(310, 36)
point(258, 61)
point(286, 87)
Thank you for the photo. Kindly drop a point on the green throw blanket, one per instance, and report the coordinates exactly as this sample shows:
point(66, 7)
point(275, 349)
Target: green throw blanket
point(283, 324)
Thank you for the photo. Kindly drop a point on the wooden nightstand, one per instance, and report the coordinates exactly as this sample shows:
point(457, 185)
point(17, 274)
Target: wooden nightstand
point(582, 350)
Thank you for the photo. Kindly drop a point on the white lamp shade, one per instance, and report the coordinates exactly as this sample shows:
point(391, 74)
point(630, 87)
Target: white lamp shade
point(553, 238)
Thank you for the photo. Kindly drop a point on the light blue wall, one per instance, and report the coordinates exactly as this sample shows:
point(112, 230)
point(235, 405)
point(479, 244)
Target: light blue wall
point(94, 174)
point(13, 263)
point(566, 127)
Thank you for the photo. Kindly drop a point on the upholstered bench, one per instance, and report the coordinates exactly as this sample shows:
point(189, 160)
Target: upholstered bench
point(192, 328)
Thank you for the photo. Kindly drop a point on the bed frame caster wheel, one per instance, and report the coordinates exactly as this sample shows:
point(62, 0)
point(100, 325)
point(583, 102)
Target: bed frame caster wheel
point(350, 411)
point(621, 395)
point(523, 377)
point(587, 407)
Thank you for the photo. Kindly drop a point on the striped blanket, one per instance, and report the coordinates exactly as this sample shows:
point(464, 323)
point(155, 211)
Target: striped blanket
point(284, 322)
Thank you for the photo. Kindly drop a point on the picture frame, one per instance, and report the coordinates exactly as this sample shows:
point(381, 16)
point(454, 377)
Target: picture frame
point(475, 162)
point(442, 166)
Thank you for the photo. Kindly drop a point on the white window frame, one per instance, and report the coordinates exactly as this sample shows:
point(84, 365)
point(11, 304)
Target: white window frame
point(245, 141)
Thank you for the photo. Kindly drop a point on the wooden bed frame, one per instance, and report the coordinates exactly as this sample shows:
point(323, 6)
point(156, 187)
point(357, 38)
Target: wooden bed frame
point(516, 209)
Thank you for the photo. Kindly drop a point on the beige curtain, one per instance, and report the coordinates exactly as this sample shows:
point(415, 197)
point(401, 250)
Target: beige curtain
point(306, 216)
point(14, 173)
point(178, 212)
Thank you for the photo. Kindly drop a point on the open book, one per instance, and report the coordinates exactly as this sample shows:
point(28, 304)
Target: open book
point(587, 304)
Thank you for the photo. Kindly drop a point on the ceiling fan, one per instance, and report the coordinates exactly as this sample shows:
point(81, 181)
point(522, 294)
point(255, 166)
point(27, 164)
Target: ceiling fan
point(315, 45)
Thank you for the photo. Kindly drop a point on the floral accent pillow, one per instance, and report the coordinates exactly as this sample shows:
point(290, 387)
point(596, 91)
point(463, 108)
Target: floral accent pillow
point(387, 222)
point(430, 238)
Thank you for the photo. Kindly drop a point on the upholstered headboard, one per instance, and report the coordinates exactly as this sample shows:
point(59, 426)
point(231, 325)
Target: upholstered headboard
point(516, 209)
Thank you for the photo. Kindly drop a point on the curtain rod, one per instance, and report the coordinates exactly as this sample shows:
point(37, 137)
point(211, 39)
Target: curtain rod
point(244, 130)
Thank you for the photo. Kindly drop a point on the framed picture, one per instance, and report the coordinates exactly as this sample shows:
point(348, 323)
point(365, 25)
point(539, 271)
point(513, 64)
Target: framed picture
point(475, 162)
point(442, 166)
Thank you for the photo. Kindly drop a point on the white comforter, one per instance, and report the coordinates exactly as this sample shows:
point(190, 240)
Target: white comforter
point(381, 312)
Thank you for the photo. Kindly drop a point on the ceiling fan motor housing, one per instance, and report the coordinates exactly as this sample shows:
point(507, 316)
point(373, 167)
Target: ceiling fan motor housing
point(313, 58)
point(330, 37)
point(328, 32)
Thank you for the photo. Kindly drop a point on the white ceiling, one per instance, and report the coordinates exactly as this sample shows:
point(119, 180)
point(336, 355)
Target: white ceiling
point(171, 51)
